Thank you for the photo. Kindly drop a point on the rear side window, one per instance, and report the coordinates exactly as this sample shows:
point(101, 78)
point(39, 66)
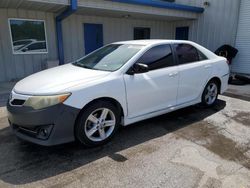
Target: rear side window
point(187, 54)
point(201, 56)
point(158, 57)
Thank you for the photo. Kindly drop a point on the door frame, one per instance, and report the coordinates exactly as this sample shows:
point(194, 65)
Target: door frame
point(183, 28)
point(148, 28)
point(84, 35)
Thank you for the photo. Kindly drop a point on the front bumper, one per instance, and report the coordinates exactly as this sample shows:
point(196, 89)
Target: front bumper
point(49, 126)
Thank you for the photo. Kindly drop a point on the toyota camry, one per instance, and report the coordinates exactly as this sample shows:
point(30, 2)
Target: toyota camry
point(116, 85)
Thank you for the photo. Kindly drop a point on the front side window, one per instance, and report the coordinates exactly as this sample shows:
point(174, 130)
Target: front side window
point(187, 54)
point(27, 35)
point(158, 57)
point(109, 58)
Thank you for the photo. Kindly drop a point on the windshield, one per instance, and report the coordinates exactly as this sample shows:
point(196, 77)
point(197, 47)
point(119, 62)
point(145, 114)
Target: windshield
point(109, 58)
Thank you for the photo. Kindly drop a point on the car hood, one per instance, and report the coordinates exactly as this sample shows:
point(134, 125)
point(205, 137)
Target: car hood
point(56, 80)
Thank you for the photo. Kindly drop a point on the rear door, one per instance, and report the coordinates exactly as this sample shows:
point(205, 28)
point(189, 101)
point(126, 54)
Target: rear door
point(194, 69)
point(154, 90)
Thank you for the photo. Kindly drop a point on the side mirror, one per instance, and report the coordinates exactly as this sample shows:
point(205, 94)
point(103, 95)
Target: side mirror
point(138, 68)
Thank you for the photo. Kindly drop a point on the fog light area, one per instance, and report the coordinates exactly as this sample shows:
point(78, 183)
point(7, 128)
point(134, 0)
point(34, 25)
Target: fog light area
point(44, 132)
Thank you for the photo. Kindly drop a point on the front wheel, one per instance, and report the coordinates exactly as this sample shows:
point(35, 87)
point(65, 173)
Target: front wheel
point(210, 93)
point(97, 124)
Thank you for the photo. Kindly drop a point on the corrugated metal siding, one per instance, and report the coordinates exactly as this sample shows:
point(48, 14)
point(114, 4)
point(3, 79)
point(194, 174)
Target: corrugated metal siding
point(18, 66)
point(216, 26)
point(242, 61)
point(114, 29)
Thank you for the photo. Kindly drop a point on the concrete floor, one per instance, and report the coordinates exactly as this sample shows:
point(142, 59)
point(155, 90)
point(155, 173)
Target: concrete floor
point(5, 89)
point(240, 92)
point(193, 147)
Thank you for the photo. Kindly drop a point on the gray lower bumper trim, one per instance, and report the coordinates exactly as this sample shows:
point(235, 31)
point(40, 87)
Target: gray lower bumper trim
point(61, 117)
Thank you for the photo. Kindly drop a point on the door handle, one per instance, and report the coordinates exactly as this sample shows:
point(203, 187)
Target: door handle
point(207, 66)
point(173, 74)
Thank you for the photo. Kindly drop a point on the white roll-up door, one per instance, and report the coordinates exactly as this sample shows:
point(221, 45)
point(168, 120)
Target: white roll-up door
point(241, 64)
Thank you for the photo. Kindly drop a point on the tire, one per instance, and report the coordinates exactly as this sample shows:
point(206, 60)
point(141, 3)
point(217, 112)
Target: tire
point(210, 93)
point(97, 124)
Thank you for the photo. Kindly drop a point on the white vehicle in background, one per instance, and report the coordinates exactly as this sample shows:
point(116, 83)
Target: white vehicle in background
point(20, 43)
point(118, 84)
point(35, 46)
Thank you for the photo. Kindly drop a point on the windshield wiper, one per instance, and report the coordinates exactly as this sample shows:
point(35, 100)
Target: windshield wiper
point(76, 63)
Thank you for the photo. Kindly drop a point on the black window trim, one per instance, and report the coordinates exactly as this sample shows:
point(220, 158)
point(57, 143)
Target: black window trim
point(147, 28)
point(176, 58)
point(28, 19)
point(171, 48)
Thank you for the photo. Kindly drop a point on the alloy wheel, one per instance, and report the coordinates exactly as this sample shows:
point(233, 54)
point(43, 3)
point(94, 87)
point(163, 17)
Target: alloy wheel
point(100, 124)
point(211, 93)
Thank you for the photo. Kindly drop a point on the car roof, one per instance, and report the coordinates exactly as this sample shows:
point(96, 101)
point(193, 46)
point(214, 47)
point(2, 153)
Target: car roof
point(151, 42)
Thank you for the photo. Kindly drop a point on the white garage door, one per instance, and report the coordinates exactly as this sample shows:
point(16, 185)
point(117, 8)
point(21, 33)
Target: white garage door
point(242, 62)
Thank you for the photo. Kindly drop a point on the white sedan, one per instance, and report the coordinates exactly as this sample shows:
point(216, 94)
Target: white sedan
point(118, 84)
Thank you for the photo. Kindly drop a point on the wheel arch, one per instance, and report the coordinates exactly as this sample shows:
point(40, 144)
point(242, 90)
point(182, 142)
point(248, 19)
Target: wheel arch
point(78, 130)
point(107, 99)
point(218, 80)
point(218, 83)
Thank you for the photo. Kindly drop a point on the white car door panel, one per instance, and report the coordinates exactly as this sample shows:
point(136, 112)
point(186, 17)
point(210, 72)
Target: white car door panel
point(152, 91)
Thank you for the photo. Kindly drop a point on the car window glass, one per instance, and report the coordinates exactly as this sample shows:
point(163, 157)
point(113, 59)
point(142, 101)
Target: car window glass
point(187, 53)
point(109, 58)
point(157, 57)
point(201, 56)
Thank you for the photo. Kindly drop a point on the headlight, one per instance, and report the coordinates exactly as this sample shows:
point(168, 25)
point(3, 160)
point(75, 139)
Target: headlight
point(39, 102)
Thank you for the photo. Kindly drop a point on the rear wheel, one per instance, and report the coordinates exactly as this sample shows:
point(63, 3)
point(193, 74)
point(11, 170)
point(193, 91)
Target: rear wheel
point(210, 93)
point(97, 123)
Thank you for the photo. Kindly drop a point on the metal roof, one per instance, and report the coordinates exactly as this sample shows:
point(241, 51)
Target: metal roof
point(58, 5)
point(40, 5)
point(163, 4)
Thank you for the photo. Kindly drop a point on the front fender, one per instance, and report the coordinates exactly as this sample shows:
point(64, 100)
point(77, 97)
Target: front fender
point(112, 88)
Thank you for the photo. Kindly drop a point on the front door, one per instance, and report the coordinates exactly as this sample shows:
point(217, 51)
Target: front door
point(93, 37)
point(154, 90)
